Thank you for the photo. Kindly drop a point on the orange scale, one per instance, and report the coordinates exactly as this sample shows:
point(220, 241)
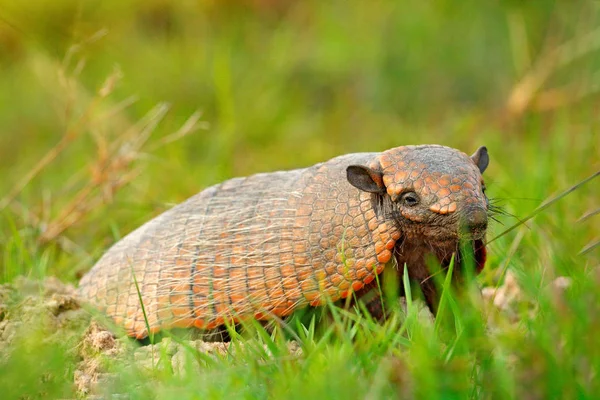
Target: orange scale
point(180, 299)
point(415, 174)
point(332, 293)
point(371, 264)
point(373, 224)
point(400, 176)
point(200, 323)
point(324, 243)
point(342, 269)
point(294, 294)
point(221, 309)
point(289, 270)
point(287, 310)
point(384, 256)
point(185, 323)
point(236, 297)
point(365, 206)
point(141, 334)
point(255, 272)
point(311, 296)
point(443, 192)
point(321, 276)
point(336, 280)
point(388, 181)
point(444, 181)
point(370, 213)
point(361, 274)
point(304, 210)
point(276, 292)
point(344, 285)
point(359, 264)
point(384, 160)
point(302, 222)
point(280, 311)
point(211, 325)
point(369, 279)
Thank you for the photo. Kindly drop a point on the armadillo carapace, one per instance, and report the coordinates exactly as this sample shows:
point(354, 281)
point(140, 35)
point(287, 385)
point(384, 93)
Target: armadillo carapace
point(271, 243)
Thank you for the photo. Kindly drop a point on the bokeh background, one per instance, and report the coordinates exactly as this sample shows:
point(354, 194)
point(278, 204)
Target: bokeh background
point(113, 111)
point(89, 150)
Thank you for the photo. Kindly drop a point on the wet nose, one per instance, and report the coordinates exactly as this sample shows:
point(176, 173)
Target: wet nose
point(474, 220)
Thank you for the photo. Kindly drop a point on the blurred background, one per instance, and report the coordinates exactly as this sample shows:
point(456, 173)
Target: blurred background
point(113, 111)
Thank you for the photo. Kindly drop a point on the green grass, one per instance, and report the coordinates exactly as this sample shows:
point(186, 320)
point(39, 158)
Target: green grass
point(289, 88)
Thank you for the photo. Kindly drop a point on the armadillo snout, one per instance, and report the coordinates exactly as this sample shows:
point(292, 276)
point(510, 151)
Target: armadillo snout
point(474, 221)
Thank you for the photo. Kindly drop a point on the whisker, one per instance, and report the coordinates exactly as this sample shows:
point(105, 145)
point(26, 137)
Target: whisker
point(496, 220)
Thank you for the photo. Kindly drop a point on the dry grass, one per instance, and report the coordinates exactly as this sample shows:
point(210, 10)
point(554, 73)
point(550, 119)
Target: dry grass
point(120, 147)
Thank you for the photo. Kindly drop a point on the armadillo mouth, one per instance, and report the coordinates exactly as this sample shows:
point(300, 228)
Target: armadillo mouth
point(478, 254)
point(472, 257)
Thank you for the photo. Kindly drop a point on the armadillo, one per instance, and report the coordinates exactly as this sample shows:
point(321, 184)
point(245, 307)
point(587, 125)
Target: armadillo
point(266, 245)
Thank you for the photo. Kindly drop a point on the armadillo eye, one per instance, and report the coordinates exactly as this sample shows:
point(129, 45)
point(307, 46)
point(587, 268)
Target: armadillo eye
point(410, 199)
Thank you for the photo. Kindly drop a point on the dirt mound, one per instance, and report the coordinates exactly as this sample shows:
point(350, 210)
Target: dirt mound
point(27, 306)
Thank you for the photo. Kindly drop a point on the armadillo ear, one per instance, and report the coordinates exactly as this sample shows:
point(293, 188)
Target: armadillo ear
point(481, 158)
point(365, 178)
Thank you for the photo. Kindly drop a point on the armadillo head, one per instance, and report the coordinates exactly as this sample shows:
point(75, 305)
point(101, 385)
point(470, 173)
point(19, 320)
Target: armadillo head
point(435, 194)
